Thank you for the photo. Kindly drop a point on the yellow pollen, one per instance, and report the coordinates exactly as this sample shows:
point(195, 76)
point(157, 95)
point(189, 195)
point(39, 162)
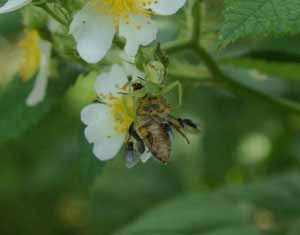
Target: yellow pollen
point(31, 54)
point(124, 8)
point(122, 111)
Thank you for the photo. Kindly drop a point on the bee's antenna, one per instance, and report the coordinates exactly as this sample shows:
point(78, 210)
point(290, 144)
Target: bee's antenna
point(141, 78)
point(122, 93)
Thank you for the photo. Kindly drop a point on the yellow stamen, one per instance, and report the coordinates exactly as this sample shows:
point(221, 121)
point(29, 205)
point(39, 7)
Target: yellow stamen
point(31, 54)
point(124, 8)
point(122, 111)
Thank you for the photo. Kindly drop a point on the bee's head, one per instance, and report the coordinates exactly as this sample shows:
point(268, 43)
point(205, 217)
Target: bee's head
point(137, 86)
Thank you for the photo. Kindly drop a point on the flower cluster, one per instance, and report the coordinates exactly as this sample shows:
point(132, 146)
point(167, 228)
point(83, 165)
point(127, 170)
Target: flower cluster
point(94, 26)
point(108, 121)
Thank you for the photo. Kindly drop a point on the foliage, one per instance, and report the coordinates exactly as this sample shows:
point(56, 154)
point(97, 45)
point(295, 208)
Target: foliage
point(260, 17)
point(16, 116)
point(250, 209)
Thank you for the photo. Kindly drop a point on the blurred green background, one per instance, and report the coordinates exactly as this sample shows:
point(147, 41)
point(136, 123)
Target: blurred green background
point(238, 177)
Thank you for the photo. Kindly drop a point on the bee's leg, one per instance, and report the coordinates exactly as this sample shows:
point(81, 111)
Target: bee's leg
point(131, 161)
point(176, 124)
point(172, 86)
point(122, 93)
point(140, 142)
point(166, 124)
point(189, 124)
point(169, 130)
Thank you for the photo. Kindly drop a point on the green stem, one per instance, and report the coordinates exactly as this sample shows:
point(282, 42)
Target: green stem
point(172, 47)
point(242, 89)
point(218, 75)
point(197, 20)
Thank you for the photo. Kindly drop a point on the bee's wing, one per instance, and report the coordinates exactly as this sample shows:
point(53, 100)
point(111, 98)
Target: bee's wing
point(133, 156)
point(145, 156)
point(130, 157)
point(169, 130)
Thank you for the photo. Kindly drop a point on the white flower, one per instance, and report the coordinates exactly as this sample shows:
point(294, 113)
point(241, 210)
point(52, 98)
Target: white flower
point(108, 123)
point(95, 25)
point(12, 5)
point(38, 92)
point(36, 55)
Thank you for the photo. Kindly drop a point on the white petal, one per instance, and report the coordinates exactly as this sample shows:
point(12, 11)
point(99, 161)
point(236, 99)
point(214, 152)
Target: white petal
point(91, 133)
point(108, 148)
point(101, 131)
point(99, 120)
point(112, 81)
point(12, 5)
point(95, 113)
point(164, 7)
point(93, 33)
point(140, 31)
point(131, 70)
point(38, 92)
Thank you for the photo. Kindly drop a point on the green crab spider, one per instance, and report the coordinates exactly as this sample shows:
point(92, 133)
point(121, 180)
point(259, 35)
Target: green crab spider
point(152, 84)
point(172, 86)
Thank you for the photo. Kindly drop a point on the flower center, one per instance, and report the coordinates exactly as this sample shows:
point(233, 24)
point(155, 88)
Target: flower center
point(124, 8)
point(122, 110)
point(31, 55)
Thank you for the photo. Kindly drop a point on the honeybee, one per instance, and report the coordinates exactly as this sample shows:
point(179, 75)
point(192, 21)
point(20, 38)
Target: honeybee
point(150, 134)
point(153, 128)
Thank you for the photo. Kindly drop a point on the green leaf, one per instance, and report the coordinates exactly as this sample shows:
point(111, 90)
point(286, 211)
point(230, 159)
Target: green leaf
point(259, 17)
point(267, 206)
point(16, 117)
point(10, 24)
